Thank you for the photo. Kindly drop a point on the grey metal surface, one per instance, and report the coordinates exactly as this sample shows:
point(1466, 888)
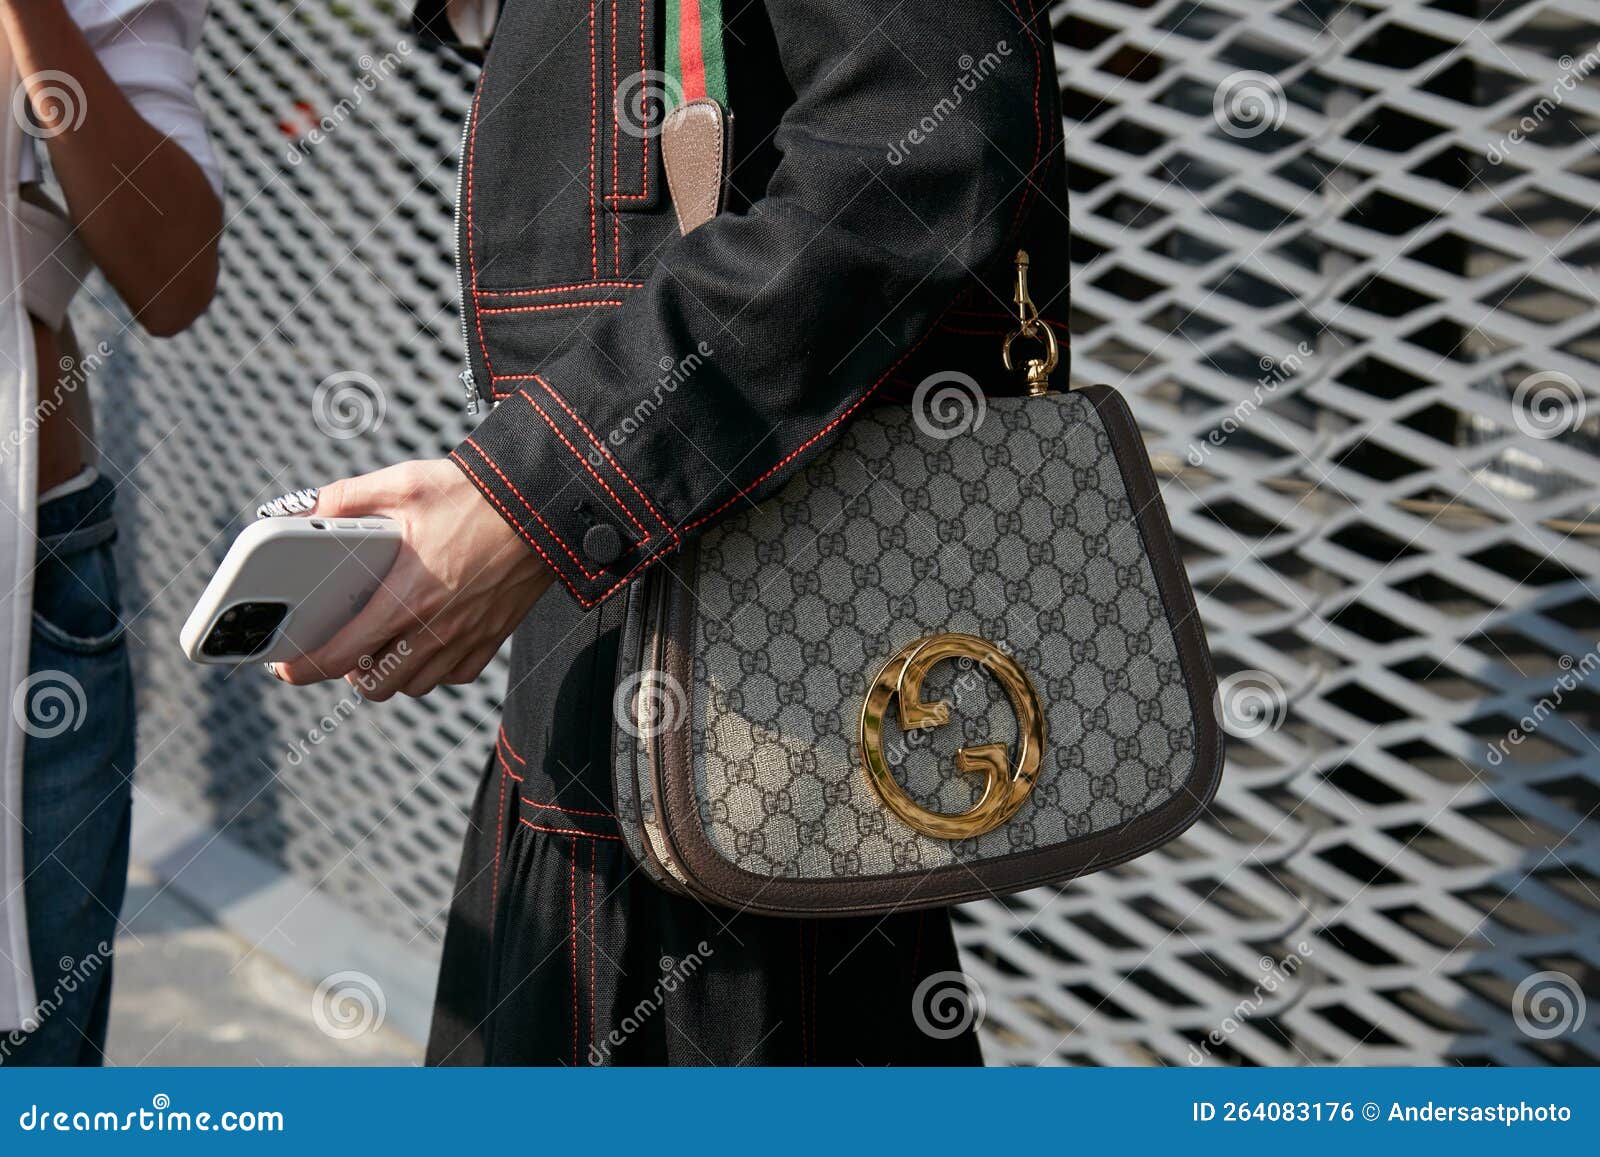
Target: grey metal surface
point(1350, 293)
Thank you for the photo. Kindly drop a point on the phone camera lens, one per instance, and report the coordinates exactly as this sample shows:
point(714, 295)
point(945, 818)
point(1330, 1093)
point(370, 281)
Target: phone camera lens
point(244, 630)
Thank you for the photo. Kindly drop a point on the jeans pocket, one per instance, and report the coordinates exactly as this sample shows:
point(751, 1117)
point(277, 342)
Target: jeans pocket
point(75, 605)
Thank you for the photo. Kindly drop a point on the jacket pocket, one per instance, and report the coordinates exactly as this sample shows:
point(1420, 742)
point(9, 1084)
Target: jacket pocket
point(562, 145)
point(640, 94)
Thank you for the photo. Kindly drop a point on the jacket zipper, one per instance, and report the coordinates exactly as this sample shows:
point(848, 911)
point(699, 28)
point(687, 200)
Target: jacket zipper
point(468, 382)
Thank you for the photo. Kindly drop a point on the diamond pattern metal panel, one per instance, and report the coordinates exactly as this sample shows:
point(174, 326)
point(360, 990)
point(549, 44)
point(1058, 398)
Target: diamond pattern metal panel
point(331, 349)
point(1341, 257)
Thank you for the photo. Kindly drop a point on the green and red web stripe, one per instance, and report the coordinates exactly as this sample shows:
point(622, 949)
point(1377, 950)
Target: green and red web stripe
point(694, 49)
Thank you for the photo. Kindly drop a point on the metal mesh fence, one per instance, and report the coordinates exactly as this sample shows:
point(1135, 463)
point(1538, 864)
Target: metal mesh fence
point(1342, 259)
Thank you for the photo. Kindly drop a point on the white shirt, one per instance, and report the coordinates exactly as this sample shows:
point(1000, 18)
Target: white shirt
point(148, 46)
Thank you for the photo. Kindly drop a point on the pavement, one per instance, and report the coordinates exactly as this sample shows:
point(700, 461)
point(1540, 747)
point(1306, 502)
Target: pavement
point(189, 992)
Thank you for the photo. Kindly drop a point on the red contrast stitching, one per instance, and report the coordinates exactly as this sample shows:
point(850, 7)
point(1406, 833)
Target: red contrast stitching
point(506, 767)
point(1038, 124)
point(822, 433)
point(995, 331)
point(587, 466)
point(506, 739)
point(1009, 318)
point(543, 308)
point(616, 586)
point(577, 811)
point(566, 831)
point(517, 526)
point(644, 562)
point(502, 758)
point(547, 528)
point(472, 240)
point(594, 263)
point(562, 402)
point(946, 327)
point(644, 168)
point(1038, 149)
point(499, 837)
point(548, 289)
point(532, 804)
point(594, 239)
point(616, 127)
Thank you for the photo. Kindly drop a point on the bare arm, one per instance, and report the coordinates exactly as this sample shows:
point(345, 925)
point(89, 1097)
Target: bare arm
point(141, 205)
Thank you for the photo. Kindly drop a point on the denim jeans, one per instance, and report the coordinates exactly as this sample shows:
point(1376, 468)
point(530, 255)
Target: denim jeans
point(76, 781)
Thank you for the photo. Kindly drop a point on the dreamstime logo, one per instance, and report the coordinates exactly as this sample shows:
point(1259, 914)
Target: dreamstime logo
point(347, 405)
point(1574, 73)
point(310, 130)
point(48, 104)
point(1251, 703)
point(1548, 1004)
point(673, 374)
point(1248, 104)
point(948, 404)
point(370, 674)
point(47, 703)
point(71, 375)
point(1276, 974)
point(643, 100)
point(349, 1004)
point(650, 703)
point(973, 72)
point(1274, 372)
point(674, 973)
point(1574, 674)
point(74, 975)
point(947, 1004)
point(1547, 404)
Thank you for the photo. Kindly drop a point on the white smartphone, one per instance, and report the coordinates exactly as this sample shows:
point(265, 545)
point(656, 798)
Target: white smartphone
point(286, 587)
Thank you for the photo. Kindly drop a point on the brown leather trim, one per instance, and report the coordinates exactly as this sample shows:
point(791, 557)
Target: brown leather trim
point(652, 611)
point(694, 149)
point(630, 643)
point(718, 881)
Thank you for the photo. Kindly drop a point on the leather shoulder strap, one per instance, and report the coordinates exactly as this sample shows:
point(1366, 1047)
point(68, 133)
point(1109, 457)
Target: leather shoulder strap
point(695, 133)
point(694, 148)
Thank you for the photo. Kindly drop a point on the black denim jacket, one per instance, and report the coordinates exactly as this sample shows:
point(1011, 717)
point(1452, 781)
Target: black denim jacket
point(889, 159)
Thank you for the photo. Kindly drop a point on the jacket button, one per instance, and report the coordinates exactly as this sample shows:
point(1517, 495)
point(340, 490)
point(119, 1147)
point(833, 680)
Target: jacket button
point(602, 543)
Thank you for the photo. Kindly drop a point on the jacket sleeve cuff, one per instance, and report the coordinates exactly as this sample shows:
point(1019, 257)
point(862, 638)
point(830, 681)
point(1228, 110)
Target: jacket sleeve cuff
point(556, 483)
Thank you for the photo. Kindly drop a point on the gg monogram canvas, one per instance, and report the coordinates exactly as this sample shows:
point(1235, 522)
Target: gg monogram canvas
point(1037, 540)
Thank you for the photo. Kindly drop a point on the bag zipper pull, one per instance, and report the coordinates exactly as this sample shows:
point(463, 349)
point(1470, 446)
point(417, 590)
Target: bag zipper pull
point(470, 384)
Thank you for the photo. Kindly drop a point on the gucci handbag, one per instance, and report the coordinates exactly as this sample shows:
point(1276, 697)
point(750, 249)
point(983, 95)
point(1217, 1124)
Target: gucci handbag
point(932, 668)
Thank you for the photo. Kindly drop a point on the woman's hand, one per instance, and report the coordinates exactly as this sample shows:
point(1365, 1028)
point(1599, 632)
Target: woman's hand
point(461, 584)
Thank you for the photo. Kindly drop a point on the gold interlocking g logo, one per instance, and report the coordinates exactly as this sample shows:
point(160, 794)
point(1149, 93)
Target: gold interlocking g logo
point(1005, 788)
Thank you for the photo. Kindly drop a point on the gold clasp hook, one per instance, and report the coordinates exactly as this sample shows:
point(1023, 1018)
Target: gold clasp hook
point(1027, 312)
point(1030, 325)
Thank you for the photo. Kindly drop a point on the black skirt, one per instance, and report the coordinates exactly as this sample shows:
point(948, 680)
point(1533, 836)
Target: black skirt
point(559, 951)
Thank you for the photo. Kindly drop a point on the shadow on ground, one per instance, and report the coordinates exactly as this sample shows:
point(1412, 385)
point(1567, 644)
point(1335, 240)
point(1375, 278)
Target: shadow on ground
point(190, 993)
